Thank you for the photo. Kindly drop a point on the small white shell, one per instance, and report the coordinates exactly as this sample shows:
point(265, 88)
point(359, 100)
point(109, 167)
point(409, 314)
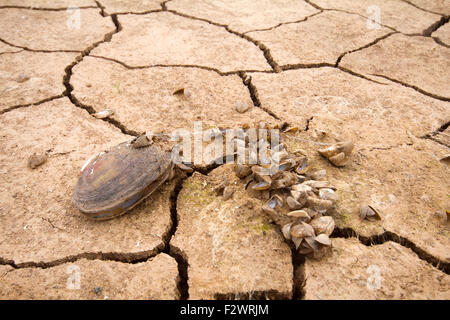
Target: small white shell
point(103, 114)
point(302, 215)
point(323, 239)
point(287, 231)
point(305, 188)
point(241, 107)
point(317, 184)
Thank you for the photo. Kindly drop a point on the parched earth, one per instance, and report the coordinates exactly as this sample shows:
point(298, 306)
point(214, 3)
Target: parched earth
point(320, 65)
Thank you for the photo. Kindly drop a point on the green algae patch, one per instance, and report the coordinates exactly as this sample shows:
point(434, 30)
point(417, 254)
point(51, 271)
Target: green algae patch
point(197, 194)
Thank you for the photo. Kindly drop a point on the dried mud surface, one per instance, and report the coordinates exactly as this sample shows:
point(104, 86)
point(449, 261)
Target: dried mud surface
point(315, 65)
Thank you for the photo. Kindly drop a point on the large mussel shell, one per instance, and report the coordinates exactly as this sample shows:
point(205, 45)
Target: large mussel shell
point(117, 180)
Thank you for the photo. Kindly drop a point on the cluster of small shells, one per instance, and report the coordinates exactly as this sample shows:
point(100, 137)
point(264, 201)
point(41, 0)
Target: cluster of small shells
point(286, 182)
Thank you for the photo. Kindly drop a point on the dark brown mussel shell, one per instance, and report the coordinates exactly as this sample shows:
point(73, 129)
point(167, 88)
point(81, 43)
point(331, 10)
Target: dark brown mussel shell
point(117, 180)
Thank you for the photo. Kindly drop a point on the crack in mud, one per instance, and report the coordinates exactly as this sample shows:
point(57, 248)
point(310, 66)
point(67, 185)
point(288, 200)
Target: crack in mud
point(423, 9)
point(132, 258)
point(253, 295)
point(353, 73)
point(425, 33)
point(46, 9)
point(326, 65)
point(299, 278)
point(183, 265)
point(247, 81)
point(51, 223)
point(176, 253)
point(69, 87)
point(308, 121)
point(163, 5)
point(11, 52)
point(37, 50)
point(104, 14)
point(439, 42)
point(221, 73)
point(284, 23)
point(390, 236)
point(431, 136)
point(101, 7)
point(32, 104)
point(265, 50)
point(428, 31)
point(305, 66)
point(313, 5)
point(348, 12)
point(364, 47)
point(432, 95)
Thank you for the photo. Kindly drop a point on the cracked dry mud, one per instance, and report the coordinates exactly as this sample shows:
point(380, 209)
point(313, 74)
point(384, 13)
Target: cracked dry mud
point(312, 64)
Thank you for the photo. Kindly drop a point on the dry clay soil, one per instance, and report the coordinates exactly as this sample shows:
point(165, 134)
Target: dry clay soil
point(320, 65)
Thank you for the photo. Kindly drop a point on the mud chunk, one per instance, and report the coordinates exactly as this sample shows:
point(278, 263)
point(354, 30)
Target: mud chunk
point(22, 78)
point(241, 107)
point(36, 159)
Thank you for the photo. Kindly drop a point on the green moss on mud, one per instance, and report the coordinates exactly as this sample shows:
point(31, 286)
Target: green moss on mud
point(196, 194)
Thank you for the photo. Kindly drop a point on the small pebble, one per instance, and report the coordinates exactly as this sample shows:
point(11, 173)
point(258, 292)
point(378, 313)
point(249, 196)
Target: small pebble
point(443, 215)
point(227, 193)
point(98, 290)
point(22, 78)
point(35, 160)
point(241, 107)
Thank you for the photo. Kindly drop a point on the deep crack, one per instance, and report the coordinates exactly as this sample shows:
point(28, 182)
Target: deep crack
point(390, 236)
point(247, 80)
point(428, 31)
point(183, 265)
point(102, 8)
point(69, 87)
point(299, 278)
point(132, 258)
